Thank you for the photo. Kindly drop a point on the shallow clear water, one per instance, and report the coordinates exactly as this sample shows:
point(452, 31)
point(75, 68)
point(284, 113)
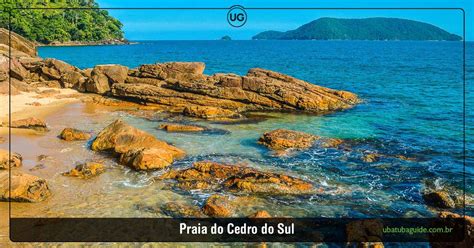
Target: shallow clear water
point(413, 105)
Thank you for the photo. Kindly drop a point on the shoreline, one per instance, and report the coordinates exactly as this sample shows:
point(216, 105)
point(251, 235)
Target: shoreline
point(33, 104)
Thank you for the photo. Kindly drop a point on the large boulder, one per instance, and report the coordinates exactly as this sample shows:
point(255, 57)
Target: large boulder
point(206, 175)
point(24, 187)
point(104, 76)
point(205, 112)
point(14, 161)
point(137, 148)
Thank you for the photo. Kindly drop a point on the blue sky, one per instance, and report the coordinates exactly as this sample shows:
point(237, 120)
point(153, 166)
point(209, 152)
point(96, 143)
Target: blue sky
point(212, 24)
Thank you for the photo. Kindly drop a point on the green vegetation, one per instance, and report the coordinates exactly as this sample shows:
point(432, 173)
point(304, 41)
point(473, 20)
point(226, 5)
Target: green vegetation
point(361, 29)
point(60, 25)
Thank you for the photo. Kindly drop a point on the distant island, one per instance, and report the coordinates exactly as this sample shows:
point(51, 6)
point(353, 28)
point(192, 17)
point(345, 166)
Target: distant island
point(62, 26)
point(378, 28)
point(226, 37)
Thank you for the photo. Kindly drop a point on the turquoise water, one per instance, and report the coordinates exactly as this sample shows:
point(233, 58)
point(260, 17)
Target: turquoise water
point(412, 105)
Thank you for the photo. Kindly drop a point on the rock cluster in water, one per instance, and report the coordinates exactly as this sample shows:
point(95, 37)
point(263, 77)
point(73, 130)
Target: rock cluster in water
point(181, 86)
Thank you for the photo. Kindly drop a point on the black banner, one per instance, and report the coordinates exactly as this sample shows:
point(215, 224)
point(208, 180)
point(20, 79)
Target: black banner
point(235, 230)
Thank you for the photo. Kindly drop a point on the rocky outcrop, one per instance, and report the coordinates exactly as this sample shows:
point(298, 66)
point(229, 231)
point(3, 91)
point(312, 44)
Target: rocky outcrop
point(16, 159)
point(86, 170)
point(29, 123)
point(365, 233)
point(137, 149)
point(181, 128)
point(183, 84)
point(207, 175)
point(71, 134)
point(18, 43)
point(439, 199)
point(24, 187)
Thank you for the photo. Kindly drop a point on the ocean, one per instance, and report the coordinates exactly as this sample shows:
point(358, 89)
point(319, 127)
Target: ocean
point(412, 105)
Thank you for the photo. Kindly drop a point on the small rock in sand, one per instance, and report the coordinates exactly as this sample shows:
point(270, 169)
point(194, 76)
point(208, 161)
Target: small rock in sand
point(71, 134)
point(30, 123)
point(86, 170)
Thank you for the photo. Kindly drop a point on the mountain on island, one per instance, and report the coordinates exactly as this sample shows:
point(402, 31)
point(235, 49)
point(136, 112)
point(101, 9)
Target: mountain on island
point(378, 28)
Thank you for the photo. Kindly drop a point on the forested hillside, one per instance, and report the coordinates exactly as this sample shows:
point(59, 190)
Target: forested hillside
point(361, 29)
point(60, 25)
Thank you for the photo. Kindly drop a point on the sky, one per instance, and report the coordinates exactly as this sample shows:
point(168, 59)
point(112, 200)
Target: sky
point(212, 24)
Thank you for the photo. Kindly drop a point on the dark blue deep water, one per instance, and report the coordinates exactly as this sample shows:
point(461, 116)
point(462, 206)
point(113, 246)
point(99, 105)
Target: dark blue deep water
point(413, 105)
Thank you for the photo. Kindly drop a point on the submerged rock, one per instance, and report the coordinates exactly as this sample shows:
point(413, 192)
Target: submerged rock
point(210, 175)
point(137, 148)
point(218, 206)
point(30, 123)
point(86, 170)
point(181, 210)
point(365, 233)
point(260, 214)
point(70, 134)
point(15, 160)
point(24, 187)
point(439, 199)
point(181, 128)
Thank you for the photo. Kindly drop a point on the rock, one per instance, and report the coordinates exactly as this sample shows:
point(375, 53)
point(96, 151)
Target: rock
point(181, 128)
point(17, 42)
point(30, 123)
point(281, 139)
point(70, 134)
point(210, 175)
point(37, 167)
point(439, 199)
point(86, 170)
point(457, 222)
point(36, 104)
point(15, 161)
point(204, 112)
point(227, 95)
point(103, 76)
point(147, 158)
point(137, 148)
point(24, 187)
point(260, 214)
point(218, 206)
point(73, 80)
point(2, 140)
point(180, 210)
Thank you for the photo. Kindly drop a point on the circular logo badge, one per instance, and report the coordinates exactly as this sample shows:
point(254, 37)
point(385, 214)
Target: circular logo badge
point(236, 16)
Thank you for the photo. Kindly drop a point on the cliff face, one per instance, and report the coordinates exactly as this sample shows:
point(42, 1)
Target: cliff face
point(19, 44)
point(361, 29)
